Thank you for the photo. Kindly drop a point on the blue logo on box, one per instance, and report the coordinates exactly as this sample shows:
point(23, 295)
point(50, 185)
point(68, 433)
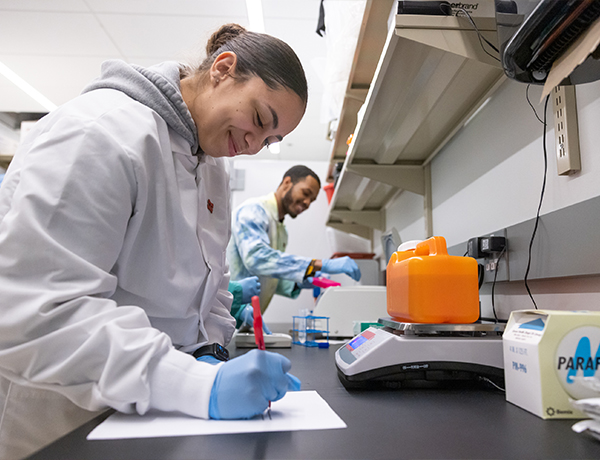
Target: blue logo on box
point(580, 361)
point(574, 360)
point(536, 325)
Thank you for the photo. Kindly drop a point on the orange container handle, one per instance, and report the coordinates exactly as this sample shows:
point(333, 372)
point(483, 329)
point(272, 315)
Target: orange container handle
point(434, 246)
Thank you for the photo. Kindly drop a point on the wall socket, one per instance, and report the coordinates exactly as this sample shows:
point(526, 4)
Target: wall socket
point(495, 267)
point(566, 130)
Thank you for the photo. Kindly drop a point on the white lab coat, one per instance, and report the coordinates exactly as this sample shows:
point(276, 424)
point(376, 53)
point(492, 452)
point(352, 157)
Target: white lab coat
point(111, 265)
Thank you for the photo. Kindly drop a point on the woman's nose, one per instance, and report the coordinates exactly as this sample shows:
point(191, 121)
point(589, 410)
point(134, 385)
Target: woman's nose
point(255, 144)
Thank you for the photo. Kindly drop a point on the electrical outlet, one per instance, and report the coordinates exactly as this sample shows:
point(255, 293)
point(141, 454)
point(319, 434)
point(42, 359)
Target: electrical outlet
point(566, 131)
point(493, 265)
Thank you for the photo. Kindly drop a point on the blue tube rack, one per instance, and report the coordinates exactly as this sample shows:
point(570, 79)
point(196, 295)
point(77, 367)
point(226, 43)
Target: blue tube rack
point(311, 331)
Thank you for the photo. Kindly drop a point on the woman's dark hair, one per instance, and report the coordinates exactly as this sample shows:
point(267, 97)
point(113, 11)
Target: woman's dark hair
point(257, 54)
point(299, 172)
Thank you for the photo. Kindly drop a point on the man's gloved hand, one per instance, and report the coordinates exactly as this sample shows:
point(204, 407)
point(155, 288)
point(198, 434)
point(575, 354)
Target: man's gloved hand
point(341, 265)
point(245, 385)
point(247, 317)
point(307, 283)
point(250, 288)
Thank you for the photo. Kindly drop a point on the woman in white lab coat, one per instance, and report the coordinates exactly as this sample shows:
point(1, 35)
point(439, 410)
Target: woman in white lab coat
point(114, 219)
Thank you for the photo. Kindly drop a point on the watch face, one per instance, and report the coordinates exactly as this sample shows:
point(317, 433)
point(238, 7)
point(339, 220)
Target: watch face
point(213, 349)
point(221, 352)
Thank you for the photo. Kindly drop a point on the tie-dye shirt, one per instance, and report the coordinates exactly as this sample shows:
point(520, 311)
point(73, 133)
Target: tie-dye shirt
point(257, 248)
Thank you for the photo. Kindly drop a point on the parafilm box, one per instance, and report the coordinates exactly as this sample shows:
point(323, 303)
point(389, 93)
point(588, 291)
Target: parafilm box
point(545, 355)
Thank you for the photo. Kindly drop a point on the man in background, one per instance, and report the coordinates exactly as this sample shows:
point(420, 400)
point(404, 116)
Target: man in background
point(259, 240)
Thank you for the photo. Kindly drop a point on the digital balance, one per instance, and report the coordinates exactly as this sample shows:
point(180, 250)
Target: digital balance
point(433, 332)
point(411, 353)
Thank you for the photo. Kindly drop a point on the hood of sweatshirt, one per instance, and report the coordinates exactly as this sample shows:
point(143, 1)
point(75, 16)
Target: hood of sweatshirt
point(157, 87)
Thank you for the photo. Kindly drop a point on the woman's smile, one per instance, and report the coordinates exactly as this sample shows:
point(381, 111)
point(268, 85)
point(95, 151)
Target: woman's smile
point(233, 149)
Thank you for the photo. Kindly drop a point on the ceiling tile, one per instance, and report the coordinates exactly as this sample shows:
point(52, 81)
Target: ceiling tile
point(57, 34)
point(300, 35)
point(203, 8)
point(44, 5)
point(153, 35)
point(59, 78)
point(291, 9)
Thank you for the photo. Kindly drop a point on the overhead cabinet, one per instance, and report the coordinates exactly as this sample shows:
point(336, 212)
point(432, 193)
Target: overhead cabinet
point(432, 76)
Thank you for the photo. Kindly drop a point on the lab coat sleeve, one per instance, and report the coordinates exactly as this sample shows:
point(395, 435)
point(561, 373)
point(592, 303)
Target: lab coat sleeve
point(60, 233)
point(288, 288)
point(218, 324)
point(251, 234)
point(236, 306)
point(236, 290)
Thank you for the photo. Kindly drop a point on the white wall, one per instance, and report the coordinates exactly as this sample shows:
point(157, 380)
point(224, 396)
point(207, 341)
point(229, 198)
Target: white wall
point(406, 214)
point(489, 176)
point(307, 233)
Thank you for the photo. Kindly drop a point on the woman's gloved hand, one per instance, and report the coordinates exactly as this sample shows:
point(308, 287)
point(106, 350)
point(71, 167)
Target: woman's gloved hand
point(209, 359)
point(343, 265)
point(245, 385)
point(250, 288)
point(247, 317)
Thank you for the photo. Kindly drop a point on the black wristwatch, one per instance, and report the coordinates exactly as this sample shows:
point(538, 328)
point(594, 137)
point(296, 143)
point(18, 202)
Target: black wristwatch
point(213, 349)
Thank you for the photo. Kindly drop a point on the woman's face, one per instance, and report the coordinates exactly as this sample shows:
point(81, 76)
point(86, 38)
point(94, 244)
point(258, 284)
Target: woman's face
point(235, 117)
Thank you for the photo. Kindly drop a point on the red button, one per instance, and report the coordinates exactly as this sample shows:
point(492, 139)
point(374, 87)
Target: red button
point(368, 335)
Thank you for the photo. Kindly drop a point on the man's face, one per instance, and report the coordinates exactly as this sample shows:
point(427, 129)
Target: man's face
point(299, 197)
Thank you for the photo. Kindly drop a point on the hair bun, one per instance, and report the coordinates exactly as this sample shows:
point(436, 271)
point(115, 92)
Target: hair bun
point(223, 35)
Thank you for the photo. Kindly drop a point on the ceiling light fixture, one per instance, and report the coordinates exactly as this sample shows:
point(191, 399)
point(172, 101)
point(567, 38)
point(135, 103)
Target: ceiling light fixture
point(275, 148)
point(27, 88)
point(255, 16)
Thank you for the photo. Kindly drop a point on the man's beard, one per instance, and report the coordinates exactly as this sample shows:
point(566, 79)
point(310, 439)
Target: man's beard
point(287, 202)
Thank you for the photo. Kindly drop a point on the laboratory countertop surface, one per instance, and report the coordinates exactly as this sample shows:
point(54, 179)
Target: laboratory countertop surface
point(457, 422)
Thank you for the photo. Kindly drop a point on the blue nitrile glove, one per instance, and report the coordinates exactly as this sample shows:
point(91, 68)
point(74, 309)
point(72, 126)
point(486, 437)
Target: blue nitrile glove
point(208, 359)
point(247, 317)
point(250, 288)
point(245, 385)
point(307, 283)
point(341, 265)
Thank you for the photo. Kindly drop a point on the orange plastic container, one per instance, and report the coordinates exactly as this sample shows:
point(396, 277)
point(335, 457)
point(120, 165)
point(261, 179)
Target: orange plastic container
point(426, 285)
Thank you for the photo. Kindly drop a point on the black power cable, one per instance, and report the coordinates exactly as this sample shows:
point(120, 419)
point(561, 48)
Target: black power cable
point(494, 283)
point(531, 105)
point(481, 37)
point(537, 217)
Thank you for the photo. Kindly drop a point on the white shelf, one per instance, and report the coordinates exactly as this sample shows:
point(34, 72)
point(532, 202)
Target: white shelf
point(431, 78)
point(371, 39)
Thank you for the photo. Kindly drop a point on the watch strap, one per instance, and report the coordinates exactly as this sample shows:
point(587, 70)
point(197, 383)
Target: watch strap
point(213, 349)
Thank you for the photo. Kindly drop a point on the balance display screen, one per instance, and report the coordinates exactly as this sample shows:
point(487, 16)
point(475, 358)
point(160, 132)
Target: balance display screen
point(357, 342)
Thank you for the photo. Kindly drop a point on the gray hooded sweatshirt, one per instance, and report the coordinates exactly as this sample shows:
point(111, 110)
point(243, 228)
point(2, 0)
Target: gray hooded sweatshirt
point(156, 87)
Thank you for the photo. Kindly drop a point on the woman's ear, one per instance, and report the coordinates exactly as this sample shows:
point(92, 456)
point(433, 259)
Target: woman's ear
point(223, 67)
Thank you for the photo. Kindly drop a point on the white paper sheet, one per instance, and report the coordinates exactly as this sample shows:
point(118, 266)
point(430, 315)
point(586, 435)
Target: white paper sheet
point(298, 410)
point(574, 55)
